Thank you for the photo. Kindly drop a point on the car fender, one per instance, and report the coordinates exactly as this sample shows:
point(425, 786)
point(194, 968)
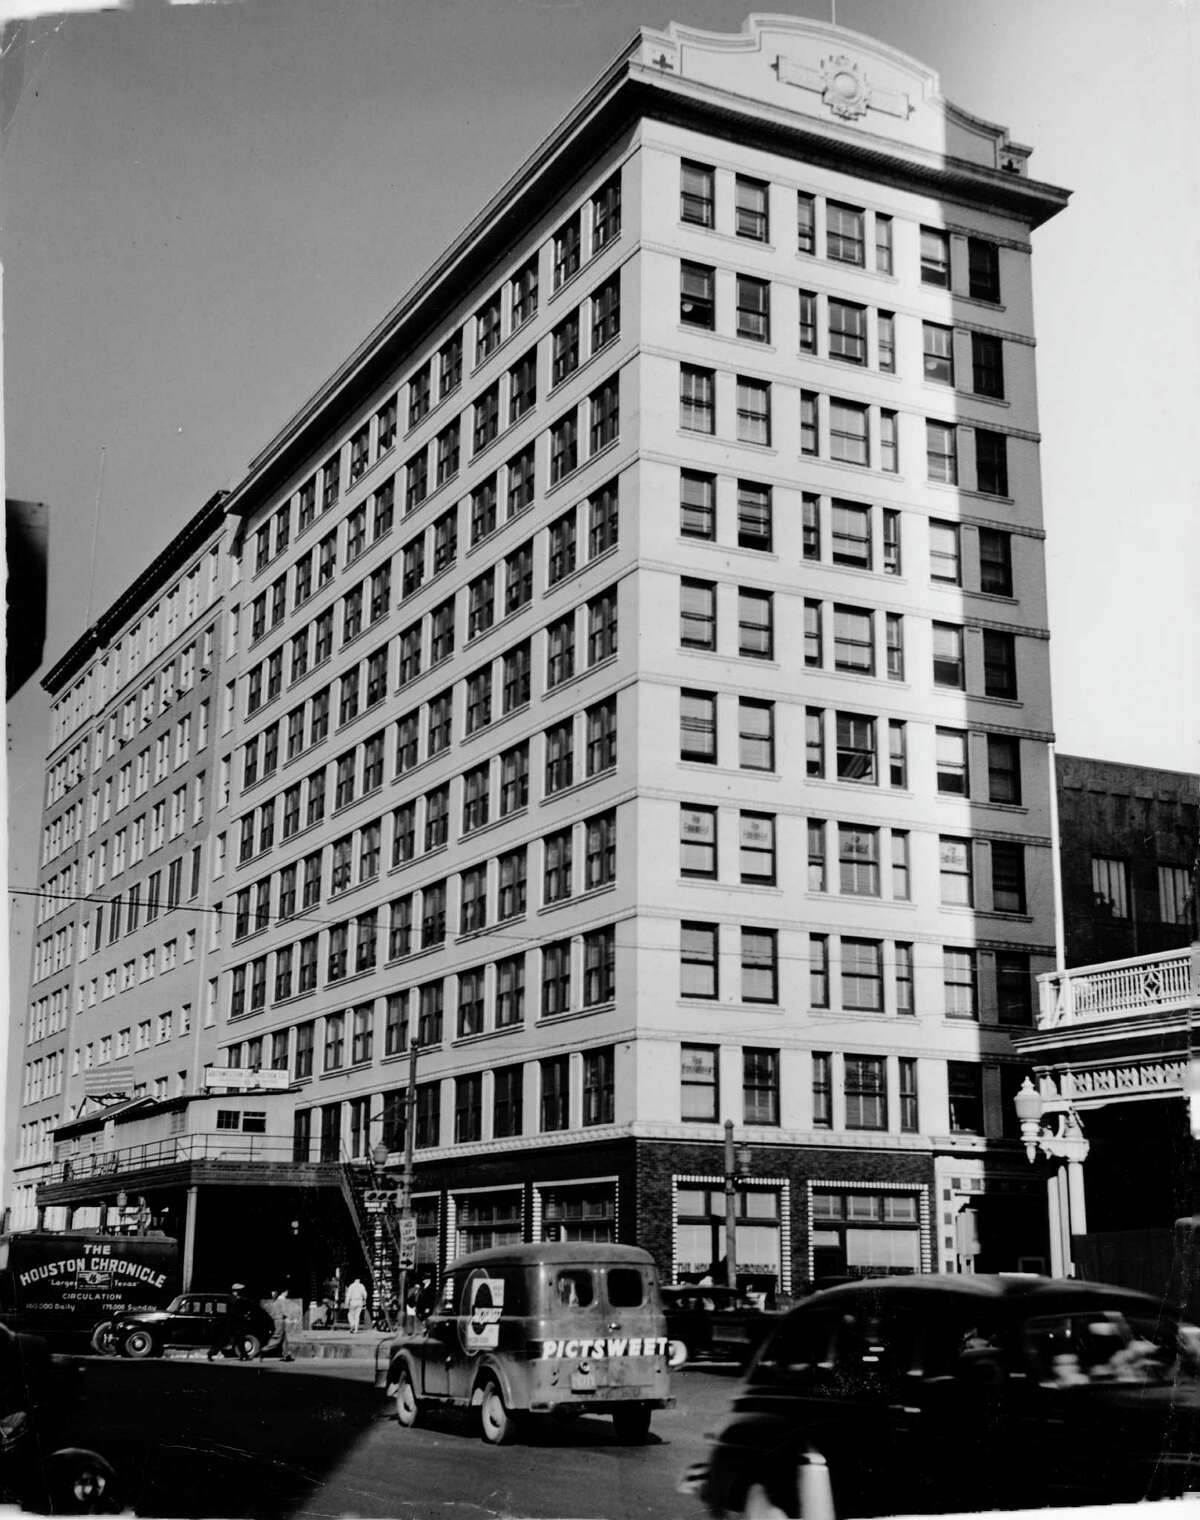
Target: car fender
point(748, 1449)
point(513, 1388)
point(402, 1359)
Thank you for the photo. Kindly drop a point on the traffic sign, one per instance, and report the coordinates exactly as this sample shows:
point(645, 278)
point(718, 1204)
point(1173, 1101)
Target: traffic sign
point(407, 1230)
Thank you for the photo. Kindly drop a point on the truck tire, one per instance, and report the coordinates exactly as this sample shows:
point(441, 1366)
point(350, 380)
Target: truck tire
point(496, 1423)
point(408, 1406)
point(139, 1344)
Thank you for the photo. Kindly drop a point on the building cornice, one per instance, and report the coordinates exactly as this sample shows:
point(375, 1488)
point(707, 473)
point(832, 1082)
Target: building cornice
point(191, 537)
point(627, 92)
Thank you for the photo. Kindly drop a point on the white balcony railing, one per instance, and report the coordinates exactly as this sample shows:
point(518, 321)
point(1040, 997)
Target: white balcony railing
point(1151, 984)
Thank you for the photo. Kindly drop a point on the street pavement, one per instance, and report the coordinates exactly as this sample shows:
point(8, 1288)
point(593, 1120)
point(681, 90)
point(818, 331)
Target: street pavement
point(316, 1438)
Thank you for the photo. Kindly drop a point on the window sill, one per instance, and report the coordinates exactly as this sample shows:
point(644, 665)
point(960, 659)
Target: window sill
point(577, 786)
point(587, 896)
point(569, 1015)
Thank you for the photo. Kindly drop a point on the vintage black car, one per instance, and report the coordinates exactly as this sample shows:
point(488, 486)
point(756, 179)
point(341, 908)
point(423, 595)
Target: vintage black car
point(718, 1324)
point(190, 1320)
point(940, 1393)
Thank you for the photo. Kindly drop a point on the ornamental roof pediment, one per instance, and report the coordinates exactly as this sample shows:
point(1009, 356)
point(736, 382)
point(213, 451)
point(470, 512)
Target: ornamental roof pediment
point(837, 77)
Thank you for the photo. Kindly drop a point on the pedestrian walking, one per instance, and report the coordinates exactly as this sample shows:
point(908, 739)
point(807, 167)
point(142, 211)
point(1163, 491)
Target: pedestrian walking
point(234, 1341)
point(277, 1307)
point(356, 1302)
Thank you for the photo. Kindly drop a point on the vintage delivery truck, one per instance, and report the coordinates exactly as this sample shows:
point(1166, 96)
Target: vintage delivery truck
point(69, 1286)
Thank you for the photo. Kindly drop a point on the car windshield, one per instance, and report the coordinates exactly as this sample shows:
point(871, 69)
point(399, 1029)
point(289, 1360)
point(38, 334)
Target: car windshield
point(178, 1305)
point(1108, 1346)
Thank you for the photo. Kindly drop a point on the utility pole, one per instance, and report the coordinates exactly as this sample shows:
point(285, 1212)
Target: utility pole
point(730, 1208)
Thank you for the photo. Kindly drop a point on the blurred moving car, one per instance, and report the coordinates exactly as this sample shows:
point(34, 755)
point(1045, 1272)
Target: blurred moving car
point(937, 1393)
point(192, 1320)
point(38, 1471)
point(716, 1323)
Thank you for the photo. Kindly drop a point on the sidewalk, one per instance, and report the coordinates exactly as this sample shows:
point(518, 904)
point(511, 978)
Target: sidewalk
point(341, 1344)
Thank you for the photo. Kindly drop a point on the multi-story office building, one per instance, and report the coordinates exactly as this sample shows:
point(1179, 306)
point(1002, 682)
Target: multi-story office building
point(637, 686)
point(118, 943)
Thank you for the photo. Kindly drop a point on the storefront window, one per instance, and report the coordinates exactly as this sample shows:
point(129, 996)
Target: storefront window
point(864, 1234)
point(579, 1214)
point(700, 1212)
point(486, 1220)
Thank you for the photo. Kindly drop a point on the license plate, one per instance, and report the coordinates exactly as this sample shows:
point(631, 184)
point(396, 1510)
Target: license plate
point(583, 1382)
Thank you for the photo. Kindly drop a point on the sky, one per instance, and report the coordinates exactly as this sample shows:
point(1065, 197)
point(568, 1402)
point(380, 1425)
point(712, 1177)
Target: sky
point(206, 206)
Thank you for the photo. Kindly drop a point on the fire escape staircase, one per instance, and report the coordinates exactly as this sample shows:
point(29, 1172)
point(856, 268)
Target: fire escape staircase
point(358, 1178)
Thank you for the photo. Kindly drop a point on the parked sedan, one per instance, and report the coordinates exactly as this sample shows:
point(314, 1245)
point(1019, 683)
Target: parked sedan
point(939, 1393)
point(720, 1324)
point(191, 1320)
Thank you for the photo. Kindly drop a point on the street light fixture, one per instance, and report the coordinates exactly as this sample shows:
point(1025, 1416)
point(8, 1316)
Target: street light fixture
point(1050, 1123)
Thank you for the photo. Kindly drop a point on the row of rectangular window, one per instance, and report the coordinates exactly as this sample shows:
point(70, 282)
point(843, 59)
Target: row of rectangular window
point(366, 683)
point(867, 1100)
point(374, 436)
point(359, 772)
point(357, 858)
point(839, 232)
point(556, 1109)
point(846, 432)
point(574, 974)
point(856, 982)
point(847, 332)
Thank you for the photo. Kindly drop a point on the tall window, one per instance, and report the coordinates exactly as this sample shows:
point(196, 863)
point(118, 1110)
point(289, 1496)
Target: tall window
point(959, 983)
point(698, 726)
point(753, 411)
point(760, 971)
point(939, 352)
point(697, 389)
point(848, 432)
point(599, 966)
point(753, 309)
point(556, 1100)
point(1175, 905)
point(854, 640)
point(995, 562)
point(843, 233)
point(865, 1092)
point(756, 848)
point(510, 991)
point(756, 735)
point(999, 663)
point(983, 269)
point(1014, 988)
point(964, 1085)
point(1004, 769)
point(697, 614)
point(991, 462)
point(696, 198)
point(862, 974)
point(858, 859)
point(697, 505)
point(950, 751)
point(935, 257)
point(760, 1086)
point(598, 1086)
point(750, 209)
point(949, 668)
point(754, 516)
point(1008, 877)
point(847, 332)
point(698, 960)
point(954, 864)
point(698, 1086)
point(987, 365)
point(945, 560)
point(941, 452)
point(697, 841)
point(856, 748)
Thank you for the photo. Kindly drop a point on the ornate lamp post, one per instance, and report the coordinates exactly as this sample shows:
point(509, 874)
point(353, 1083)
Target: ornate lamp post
point(737, 1161)
point(1050, 1124)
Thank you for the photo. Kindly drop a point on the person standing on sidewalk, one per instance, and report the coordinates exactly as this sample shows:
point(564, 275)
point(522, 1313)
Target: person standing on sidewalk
point(356, 1302)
